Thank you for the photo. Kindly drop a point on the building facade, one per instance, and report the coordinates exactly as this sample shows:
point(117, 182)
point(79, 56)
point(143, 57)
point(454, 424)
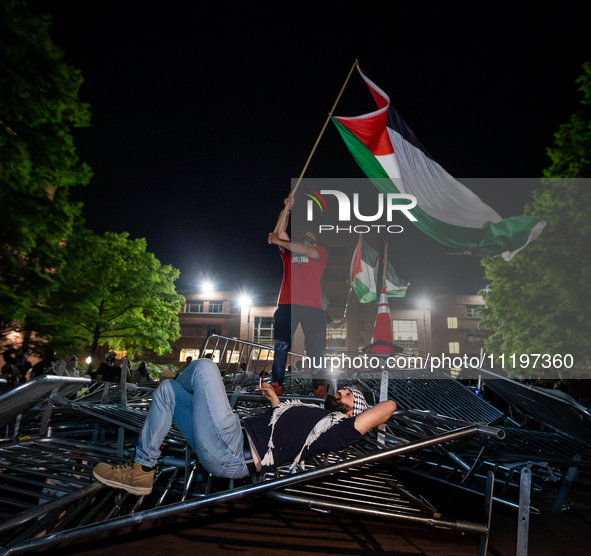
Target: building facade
point(449, 327)
point(224, 313)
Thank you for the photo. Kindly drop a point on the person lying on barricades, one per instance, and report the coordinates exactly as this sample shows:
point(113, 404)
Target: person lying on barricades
point(230, 447)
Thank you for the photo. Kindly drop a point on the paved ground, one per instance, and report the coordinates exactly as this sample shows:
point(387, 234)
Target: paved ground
point(257, 527)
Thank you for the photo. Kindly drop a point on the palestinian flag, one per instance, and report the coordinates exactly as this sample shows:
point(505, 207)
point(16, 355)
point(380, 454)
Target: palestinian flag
point(392, 157)
point(364, 267)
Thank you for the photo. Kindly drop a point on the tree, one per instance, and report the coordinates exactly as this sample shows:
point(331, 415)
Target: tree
point(571, 154)
point(38, 164)
point(540, 301)
point(112, 292)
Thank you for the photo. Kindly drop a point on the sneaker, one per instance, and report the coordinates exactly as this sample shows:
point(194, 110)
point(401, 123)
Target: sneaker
point(129, 476)
point(278, 389)
point(320, 392)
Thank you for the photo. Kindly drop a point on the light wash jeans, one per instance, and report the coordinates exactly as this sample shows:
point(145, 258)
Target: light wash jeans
point(198, 404)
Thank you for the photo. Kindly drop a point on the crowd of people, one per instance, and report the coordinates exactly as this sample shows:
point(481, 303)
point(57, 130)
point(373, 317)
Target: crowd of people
point(17, 368)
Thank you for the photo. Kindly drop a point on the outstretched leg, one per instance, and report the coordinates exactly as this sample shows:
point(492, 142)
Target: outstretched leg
point(170, 402)
point(198, 404)
point(217, 432)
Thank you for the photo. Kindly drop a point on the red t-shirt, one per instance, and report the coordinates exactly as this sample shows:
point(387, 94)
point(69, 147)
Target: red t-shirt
point(301, 278)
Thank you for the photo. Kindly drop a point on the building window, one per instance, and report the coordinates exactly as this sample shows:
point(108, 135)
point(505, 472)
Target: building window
point(454, 347)
point(214, 331)
point(261, 358)
point(336, 338)
point(194, 307)
point(215, 307)
point(194, 353)
point(263, 331)
point(405, 335)
point(334, 273)
point(452, 322)
point(472, 311)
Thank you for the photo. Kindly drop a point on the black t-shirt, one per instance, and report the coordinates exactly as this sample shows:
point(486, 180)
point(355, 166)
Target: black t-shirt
point(111, 374)
point(291, 432)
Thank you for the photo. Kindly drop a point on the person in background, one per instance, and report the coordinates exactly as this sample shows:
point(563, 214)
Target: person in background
point(141, 374)
point(46, 365)
point(22, 362)
point(108, 371)
point(11, 374)
point(71, 363)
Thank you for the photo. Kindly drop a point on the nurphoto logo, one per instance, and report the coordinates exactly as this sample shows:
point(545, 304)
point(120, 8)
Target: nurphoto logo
point(317, 200)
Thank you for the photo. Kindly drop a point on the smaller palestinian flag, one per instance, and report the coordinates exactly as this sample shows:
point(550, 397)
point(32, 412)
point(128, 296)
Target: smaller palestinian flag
point(364, 267)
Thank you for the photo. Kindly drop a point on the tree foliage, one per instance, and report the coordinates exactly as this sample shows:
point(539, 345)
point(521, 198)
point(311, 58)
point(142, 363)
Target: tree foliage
point(571, 154)
point(56, 278)
point(39, 105)
point(114, 293)
point(540, 301)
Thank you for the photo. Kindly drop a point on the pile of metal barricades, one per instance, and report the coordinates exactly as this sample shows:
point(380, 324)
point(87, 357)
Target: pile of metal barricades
point(446, 449)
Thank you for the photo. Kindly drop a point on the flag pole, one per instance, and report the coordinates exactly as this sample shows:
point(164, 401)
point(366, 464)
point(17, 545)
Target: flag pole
point(318, 139)
point(347, 304)
point(385, 273)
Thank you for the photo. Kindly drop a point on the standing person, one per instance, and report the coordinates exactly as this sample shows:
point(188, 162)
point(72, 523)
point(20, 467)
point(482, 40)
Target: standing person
point(45, 366)
point(22, 362)
point(108, 371)
point(141, 374)
point(71, 362)
point(229, 447)
point(300, 299)
point(11, 374)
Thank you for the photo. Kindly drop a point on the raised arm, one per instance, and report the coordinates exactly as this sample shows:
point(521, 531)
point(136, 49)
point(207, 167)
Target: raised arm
point(281, 237)
point(284, 219)
point(374, 416)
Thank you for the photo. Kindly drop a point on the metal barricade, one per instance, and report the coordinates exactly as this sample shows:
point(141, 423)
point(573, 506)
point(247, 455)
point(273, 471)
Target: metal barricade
point(230, 353)
point(557, 413)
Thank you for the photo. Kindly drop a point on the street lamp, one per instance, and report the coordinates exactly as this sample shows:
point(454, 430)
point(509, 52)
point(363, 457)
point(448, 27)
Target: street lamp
point(424, 304)
point(246, 301)
point(207, 286)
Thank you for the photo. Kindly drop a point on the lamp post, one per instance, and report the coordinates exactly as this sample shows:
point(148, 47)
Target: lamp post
point(424, 304)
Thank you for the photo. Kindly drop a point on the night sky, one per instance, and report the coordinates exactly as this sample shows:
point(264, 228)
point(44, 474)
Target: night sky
point(203, 114)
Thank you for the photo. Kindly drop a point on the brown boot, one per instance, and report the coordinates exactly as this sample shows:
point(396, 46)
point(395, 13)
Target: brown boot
point(129, 476)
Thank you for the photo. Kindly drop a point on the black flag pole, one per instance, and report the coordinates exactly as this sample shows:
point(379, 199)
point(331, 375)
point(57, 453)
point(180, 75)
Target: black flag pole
point(385, 272)
point(347, 304)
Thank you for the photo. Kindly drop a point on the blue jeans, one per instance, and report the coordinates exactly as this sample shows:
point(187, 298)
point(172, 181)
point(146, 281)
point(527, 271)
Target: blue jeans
point(198, 404)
